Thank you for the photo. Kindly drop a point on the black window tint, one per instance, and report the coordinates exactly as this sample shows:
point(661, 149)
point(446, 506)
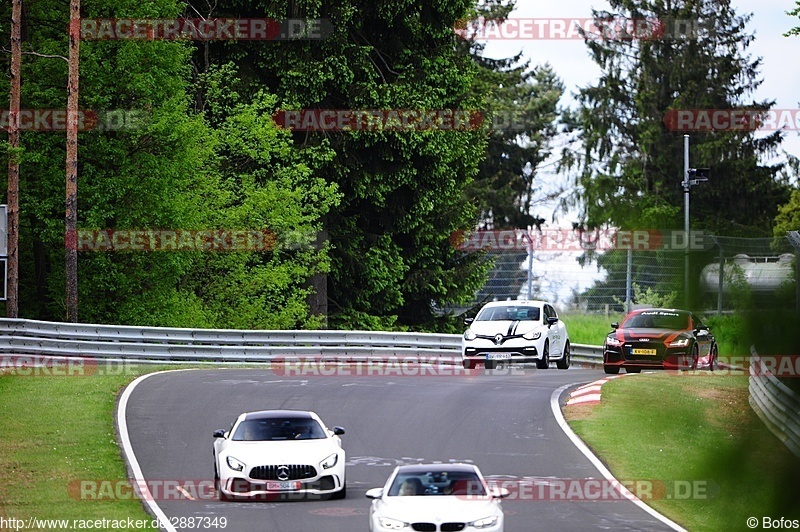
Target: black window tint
point(279, 429)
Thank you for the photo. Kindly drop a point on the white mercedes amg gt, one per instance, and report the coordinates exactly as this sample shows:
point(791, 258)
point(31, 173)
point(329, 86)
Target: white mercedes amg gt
point(278, 453)
point(516, 331)
point(432, 497)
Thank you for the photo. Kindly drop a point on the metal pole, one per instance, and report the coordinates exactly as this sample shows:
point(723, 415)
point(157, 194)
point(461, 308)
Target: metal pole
point(720, 280)
point(686, 219)
point(628, 281)
point(530, 267)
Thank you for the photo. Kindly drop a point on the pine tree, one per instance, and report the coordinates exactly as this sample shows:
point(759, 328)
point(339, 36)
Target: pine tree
point(633, 163)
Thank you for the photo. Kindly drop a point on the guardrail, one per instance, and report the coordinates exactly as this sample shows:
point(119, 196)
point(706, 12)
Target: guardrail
point(164, 344)
point(590, 355)
point(776, 404)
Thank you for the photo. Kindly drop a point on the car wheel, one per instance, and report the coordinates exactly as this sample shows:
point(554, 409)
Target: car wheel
point(220, 495)
point(490, 364)
point(544, 362)
point(611, 370)
point(633, 370)
point(695, 357)
point(468, 364)
point(564, 362)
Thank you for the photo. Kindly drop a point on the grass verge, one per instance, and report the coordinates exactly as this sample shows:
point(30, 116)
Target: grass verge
point(589, 329)
point(696, 431)
point(54, 432)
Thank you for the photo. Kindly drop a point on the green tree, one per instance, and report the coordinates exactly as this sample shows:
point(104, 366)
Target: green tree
point(794, 13)
point(522, 107)
point(632, 162)
point(392, 263)
point(143, 177)
point(264, 183)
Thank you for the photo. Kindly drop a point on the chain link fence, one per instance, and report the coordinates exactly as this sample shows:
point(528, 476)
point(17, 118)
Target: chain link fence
point(723, 272)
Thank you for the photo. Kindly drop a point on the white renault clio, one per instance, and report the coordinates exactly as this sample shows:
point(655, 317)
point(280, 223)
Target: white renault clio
point(516, 331)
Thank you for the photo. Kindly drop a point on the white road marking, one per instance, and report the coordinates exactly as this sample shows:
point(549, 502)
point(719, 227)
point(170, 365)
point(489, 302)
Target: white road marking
point(578, 443)
point(139, 481)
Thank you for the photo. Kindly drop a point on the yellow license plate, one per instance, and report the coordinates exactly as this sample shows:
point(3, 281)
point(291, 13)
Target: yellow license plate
point(644, 352)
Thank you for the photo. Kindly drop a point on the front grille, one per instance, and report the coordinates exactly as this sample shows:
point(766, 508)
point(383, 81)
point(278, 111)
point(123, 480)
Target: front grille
point(295, 472)
point(424, 527)
point(452, 527)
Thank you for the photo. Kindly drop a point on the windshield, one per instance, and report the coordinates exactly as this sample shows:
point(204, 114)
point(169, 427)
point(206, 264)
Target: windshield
point(438, 483)
point(279, 429)
point(657, 320)
point(509, 313)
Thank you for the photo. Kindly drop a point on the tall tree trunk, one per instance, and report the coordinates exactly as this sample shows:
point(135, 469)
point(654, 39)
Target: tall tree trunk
point(318, 298)
point(71, 234)
point(12, 299)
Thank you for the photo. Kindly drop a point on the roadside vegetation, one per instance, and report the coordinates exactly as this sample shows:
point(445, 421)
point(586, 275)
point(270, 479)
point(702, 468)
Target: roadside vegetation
point(698, 439)
point(56, 431)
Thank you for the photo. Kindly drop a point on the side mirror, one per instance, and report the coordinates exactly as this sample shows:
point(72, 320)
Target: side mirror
point(468, 321)
point(219, 433)
point(499, 493)
point(615, 325)
point(338, 431)
point(552, 320)
point(374, 493)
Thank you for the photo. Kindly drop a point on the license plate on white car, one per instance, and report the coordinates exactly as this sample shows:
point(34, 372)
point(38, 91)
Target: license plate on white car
point(498, 356)
point(282, 486)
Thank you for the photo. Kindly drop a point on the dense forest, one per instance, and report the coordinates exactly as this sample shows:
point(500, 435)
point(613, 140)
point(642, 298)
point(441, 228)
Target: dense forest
point(185, 141)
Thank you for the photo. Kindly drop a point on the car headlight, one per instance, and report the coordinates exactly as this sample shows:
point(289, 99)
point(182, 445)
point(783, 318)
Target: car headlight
point(486, 522)
point(391, 524)
point(612, 341)
point(531, 335)
point(682, 342)
point(330, 461)
point(469, 335)
point(234, 464)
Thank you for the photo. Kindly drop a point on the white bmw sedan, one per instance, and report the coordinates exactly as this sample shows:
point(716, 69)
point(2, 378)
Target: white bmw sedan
point(436, 497)
point(274, 453)
point(516, 331)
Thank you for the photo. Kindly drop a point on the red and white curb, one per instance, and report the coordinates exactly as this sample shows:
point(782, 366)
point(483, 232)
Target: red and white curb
point(589, 394)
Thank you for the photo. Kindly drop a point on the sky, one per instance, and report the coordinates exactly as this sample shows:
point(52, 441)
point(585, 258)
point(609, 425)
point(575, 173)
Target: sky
point(570, 60)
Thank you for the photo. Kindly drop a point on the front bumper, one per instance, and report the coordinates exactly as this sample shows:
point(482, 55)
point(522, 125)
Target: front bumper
point(244, 487)
point(261, 482)
point(477, 350)
point(665, 357)
point(428, 525)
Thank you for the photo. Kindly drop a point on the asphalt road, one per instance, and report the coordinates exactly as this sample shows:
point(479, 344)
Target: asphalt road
point(502, 423)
